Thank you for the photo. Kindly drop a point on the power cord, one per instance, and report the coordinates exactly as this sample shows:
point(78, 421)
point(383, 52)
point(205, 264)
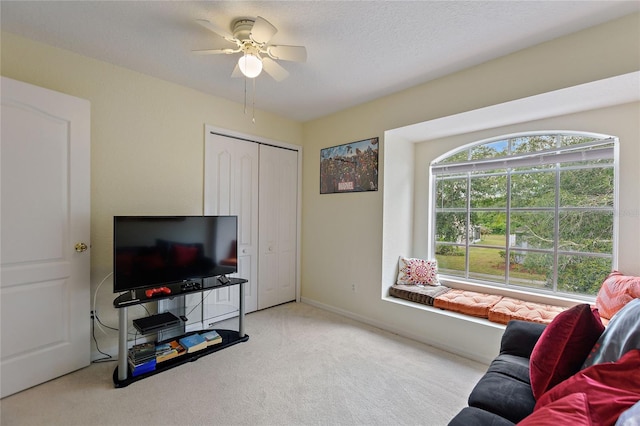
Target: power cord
point(106, 357)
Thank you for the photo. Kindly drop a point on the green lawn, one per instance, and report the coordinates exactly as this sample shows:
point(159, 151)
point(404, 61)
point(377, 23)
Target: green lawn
point(488, 262)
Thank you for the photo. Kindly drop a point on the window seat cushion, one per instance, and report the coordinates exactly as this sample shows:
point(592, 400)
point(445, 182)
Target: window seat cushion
point(508, 309)
point(420, 294)
point(467, 302)
point(495, 308)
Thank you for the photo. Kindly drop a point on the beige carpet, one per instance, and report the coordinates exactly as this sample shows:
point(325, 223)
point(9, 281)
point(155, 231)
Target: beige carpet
point(301, 366)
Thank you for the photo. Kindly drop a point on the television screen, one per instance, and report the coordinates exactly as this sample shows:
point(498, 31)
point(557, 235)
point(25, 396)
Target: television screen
point(153, 251)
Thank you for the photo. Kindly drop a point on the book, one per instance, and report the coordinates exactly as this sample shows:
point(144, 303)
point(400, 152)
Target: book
point(142, 352)
point(167, 351)
point(193, 343)
point(212, 337)
point(138, 369)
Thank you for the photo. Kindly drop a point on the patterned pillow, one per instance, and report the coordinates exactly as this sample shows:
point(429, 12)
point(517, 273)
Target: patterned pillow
point(413, 271)
point(616, 291)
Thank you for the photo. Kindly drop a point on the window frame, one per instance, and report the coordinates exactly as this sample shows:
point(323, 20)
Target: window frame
point(586, 151)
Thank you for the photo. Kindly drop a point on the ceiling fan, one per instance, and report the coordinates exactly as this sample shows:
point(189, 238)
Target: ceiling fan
point(251, 37)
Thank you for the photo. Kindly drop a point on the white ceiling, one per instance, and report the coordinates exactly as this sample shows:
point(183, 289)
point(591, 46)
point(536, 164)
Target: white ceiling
point(357, 50)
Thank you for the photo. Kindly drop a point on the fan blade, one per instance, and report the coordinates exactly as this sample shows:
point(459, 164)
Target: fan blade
point(274, 69)
point(214, 51)
point(262, 30)
point(288, 53)
point(216, 29)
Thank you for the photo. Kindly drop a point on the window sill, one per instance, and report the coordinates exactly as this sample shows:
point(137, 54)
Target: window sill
point(456, 315)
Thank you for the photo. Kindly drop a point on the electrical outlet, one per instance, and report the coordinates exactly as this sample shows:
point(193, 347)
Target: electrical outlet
point(94, 313)
point(353, 288)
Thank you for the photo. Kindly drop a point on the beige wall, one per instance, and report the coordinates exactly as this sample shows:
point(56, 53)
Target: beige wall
point(342, 233)
point(147, 143)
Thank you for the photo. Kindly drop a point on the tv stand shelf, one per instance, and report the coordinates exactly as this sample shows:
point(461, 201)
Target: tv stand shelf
point(122, 375)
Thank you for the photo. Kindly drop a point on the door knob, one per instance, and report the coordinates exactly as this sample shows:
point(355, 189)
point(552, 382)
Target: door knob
point(80, 247)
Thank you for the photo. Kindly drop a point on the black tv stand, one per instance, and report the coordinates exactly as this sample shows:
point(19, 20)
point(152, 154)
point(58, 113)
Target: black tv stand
point(122, 376)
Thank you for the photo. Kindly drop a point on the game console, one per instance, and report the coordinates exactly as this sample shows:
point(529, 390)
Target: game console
point(161, 290)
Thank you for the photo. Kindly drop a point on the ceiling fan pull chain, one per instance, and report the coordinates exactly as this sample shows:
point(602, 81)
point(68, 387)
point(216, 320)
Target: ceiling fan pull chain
point(253, 103)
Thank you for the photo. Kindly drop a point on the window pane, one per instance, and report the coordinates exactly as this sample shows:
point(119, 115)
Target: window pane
point(486, 264)
point(567, 140)
point(533, 189)
point(533, 270)
point(451, 260)
point(581, 274)
point(451, 193)
point(490, 150)
point(492, 227)
point(451, 227)
point(489, 191)
point(586, 231)
point(456, 158)
point(532, 143)
point(591, 187)
point(532, 229)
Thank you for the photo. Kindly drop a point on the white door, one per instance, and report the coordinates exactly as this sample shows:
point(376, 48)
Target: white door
point(278, 226)
point(44, 287)
point(231, 188)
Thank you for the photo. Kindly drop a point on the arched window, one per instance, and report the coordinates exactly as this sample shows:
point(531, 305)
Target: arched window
point(527, 210)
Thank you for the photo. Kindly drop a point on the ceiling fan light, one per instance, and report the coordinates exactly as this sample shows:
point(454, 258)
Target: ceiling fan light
point(250, 65)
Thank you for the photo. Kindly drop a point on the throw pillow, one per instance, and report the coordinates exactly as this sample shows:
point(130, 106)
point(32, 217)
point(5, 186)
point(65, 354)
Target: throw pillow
point(611, 388)
point(617, 290)
point(412, 271)
point(572, 409)
point(621, 336)
point(563, 347)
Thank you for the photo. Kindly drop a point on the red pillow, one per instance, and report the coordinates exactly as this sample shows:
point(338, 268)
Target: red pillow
point(611, 388)
point(572, 409)
point(563, 347)
point(616, 291)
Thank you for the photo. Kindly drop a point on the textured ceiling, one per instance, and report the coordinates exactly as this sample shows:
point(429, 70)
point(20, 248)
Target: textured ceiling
point(357, 50)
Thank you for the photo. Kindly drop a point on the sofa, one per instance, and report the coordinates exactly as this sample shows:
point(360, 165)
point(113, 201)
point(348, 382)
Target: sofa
point(572, 371)
point(556, 365)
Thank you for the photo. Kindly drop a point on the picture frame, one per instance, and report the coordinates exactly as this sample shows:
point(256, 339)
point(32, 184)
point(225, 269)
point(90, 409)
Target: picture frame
point(351, 167)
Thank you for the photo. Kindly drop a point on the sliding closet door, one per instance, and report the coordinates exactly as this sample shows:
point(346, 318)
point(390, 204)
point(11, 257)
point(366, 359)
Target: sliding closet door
point(278, 226)
point(231, 188)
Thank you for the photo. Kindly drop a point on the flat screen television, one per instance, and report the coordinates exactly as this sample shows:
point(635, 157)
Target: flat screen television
point(152, 251)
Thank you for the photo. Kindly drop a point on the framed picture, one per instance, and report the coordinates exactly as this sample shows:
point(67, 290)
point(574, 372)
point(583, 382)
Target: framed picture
point(351, 167)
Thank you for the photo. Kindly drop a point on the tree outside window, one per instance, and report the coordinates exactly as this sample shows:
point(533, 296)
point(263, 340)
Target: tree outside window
point(532, 210)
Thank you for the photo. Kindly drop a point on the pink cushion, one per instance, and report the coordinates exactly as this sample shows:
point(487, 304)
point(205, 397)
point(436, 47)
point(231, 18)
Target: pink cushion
point(563, 347)
point(572, 409)
point(467, 302)
point(611, 389)
point(616, 291)
point(509, 309)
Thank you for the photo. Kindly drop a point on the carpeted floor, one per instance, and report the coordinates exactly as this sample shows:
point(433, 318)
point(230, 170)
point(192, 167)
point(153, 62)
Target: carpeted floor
point(301, 366)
